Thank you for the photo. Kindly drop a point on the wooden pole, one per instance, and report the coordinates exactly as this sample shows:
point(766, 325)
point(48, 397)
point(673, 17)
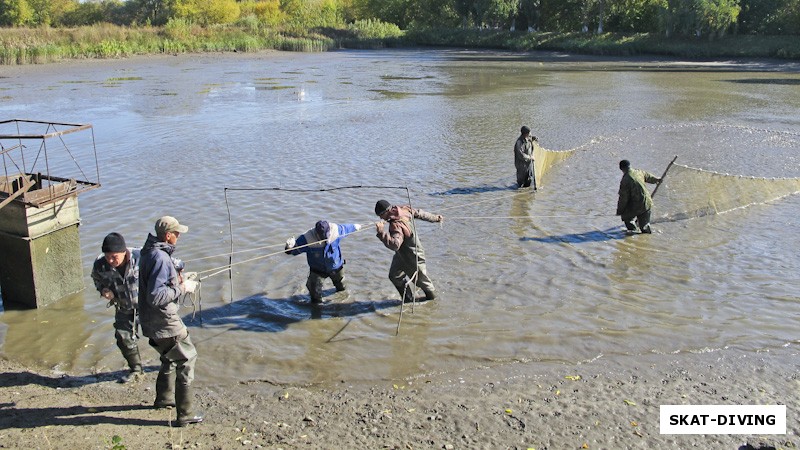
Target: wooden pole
point(664, 175)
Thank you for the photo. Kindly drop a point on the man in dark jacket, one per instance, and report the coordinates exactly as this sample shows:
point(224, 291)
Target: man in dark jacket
point(635, 201)
point(115, 273)
point(523, 158)
point(408, 263)
point(160, 287)
point(324, 257)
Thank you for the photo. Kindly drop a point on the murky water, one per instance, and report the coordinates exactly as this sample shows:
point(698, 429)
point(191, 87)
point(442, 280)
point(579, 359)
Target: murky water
point(560, 286)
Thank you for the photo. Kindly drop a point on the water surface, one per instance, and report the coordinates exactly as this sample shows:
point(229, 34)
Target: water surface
point(522, 276)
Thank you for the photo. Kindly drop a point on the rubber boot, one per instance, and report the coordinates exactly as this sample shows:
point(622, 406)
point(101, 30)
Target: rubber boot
point(183, 399)
point(165, 390)
point(407, 294)
point(429, 294)
point(131, 355)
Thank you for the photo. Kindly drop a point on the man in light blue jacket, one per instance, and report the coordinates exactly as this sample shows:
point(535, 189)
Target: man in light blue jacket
point(321, 246)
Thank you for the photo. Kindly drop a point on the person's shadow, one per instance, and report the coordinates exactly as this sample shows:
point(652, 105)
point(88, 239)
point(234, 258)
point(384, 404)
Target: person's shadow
point(11, 379)
point(476, 189)
point(260, 313)
point(12, 417)
point(609, 234)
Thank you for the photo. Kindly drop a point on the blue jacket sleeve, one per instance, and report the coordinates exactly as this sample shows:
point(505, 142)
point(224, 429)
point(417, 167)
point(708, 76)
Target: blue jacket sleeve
point(346, 228)
point(299, 242)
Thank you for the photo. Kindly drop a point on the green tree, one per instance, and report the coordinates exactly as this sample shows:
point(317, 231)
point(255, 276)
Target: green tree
point(207, 12)
point(716, 16)
point(698, 17)
point(769, 17)
point(528, 14)
point(86, 13)
point(561, 15)
point(464, 11)
point(151, 12)
point(266, 11)
point(16, 13)
point(632, 15)
point(495, 13)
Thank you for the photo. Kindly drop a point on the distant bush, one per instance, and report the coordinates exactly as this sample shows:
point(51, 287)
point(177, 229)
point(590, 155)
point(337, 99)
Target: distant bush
point(374, 29)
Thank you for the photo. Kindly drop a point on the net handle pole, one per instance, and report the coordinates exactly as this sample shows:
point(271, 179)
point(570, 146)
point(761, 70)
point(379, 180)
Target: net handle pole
point(661, 180)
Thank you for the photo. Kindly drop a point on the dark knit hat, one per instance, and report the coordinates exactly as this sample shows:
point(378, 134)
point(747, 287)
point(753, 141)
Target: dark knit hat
point(525, 130)
point(624, 164)
point(114, 243)
point(322, 228)
point(381, 207)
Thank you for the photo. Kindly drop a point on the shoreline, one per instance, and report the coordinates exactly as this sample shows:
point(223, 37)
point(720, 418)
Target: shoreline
point(601, 404)
point(665, 62)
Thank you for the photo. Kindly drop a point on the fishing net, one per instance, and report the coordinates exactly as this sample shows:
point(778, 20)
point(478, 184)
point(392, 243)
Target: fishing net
point(688, 193)
point(544, 159)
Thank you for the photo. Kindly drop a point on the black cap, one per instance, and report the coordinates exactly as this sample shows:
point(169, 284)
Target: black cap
point(525, 130)
point(114, 243)
point(381, 207)
point(624, 164)
point(322, 229)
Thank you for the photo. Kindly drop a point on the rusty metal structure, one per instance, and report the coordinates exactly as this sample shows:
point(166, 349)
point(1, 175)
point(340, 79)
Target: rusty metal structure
point(45, 166)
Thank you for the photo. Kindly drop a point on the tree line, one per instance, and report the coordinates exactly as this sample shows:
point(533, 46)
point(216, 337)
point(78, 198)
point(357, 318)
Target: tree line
point(686, 18)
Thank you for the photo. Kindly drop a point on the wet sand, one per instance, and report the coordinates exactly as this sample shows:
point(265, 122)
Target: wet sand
point(598, 405)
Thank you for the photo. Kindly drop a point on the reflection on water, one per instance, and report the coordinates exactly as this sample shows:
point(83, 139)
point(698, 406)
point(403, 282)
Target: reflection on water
point(545, 276)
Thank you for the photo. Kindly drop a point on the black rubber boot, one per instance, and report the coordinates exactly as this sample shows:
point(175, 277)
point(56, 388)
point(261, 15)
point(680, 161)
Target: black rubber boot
point(183, 398)
point(131, 355)
point(165, 390)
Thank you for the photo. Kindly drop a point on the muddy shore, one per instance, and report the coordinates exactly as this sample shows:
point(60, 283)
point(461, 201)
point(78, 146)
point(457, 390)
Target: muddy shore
point(598, 405)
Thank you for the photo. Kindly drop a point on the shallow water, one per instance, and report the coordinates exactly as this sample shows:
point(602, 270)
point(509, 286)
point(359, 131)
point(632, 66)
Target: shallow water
point(522, 277)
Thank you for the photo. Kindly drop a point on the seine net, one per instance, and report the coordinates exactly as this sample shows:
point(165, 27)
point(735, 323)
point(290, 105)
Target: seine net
point(687, 192)
point(544, 159)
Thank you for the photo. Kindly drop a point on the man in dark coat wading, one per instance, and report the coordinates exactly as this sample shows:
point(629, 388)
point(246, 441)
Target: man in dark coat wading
point(635, 201)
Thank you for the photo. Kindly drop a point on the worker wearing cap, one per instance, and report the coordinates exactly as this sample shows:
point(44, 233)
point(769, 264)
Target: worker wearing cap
point(523, 158)
point(159, 290)
point(324, 257)
point(409, 258)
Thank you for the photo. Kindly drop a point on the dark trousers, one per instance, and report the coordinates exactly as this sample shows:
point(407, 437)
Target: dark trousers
point(643, 220)
point(126, 326)
point(314, 283)
point(176, 374)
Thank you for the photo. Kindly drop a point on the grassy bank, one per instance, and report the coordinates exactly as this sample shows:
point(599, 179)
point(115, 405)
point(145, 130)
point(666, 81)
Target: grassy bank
point(784, 47)
point(43, 45)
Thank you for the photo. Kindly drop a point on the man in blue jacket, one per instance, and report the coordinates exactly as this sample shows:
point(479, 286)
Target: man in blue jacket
point(321, 246)
point(160, 288)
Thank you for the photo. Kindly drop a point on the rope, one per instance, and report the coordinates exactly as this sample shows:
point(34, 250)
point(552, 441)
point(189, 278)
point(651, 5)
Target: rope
point(221, 269)
point(525, 217)
point(410, 279)
point(233, 253)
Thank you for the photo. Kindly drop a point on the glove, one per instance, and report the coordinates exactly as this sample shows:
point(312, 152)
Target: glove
point(290, 243)
point(358, 226)
point(189, 286)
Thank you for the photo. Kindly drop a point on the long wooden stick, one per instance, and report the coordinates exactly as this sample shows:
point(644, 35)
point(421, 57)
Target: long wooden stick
point(661, 180)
